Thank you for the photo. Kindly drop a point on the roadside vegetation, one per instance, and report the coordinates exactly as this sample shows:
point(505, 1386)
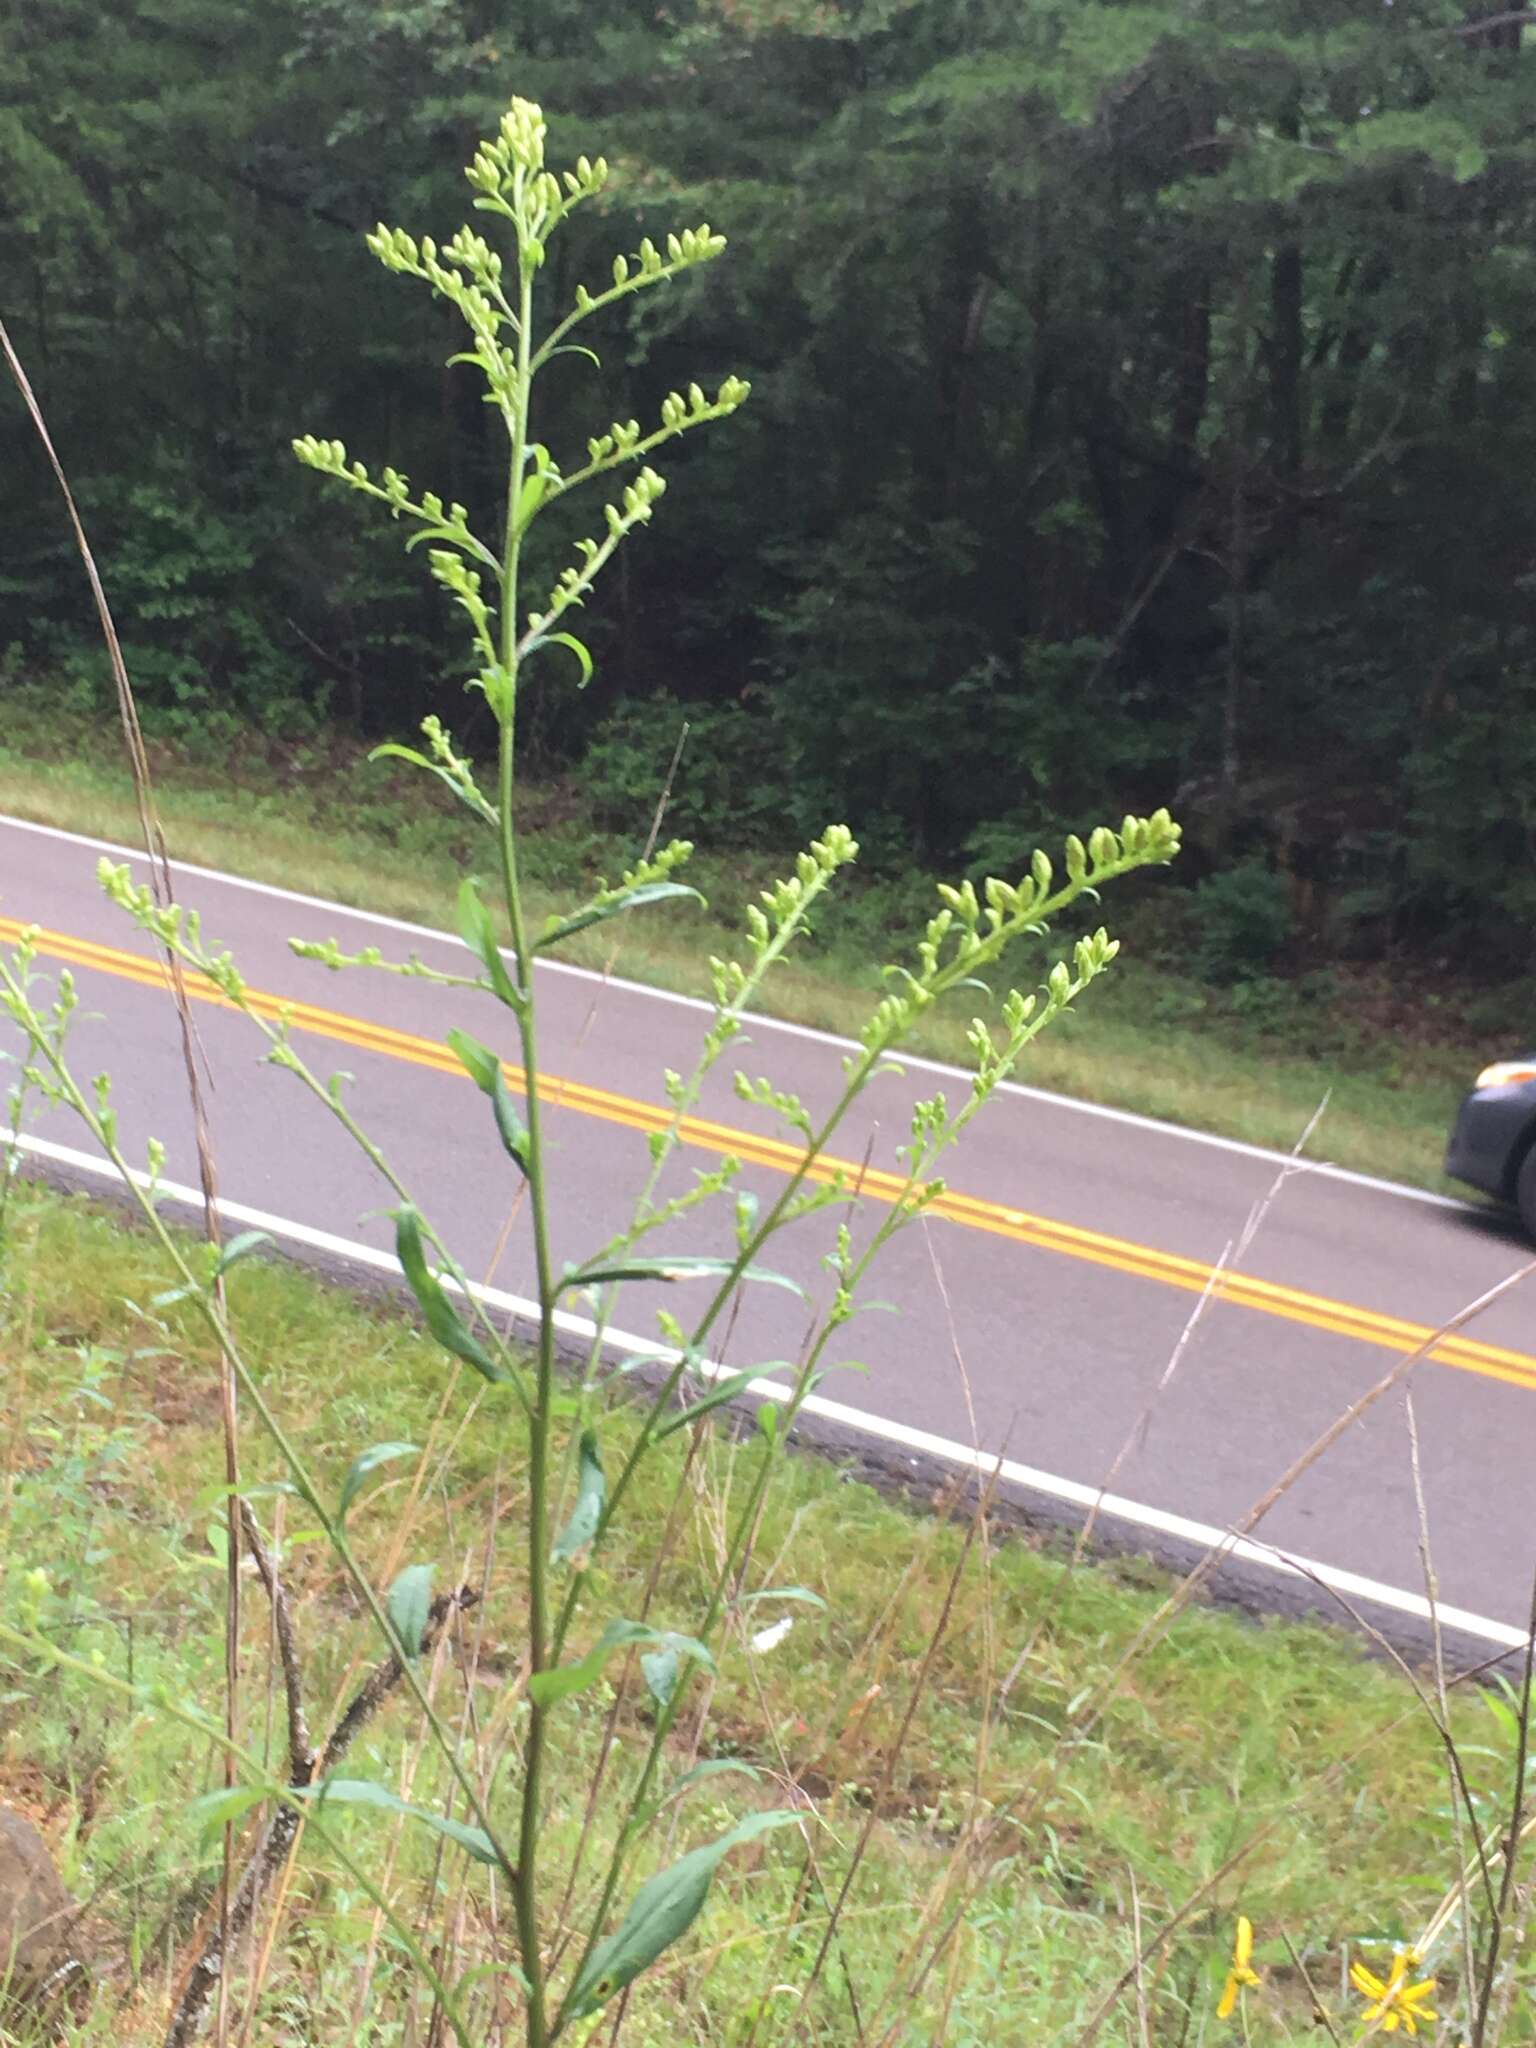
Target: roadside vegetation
point(1273, 1770)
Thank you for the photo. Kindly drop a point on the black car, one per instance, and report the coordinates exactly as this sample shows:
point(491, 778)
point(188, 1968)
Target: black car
point(1493, 1141)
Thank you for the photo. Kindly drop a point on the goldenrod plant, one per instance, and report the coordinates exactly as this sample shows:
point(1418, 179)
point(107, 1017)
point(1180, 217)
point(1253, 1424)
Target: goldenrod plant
point(561, 1642)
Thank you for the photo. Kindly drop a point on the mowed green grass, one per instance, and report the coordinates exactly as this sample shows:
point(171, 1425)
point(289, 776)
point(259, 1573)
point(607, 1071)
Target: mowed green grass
point(1281, 1746)
point(328, 824)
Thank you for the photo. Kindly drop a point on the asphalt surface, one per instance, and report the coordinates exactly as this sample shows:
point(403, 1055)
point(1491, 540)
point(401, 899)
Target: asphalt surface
point(1045, 1315)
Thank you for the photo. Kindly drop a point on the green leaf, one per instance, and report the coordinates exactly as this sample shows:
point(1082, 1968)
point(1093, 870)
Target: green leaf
point(768, 1421)
point(239, 1248)
point(721, 1392)
point(545, 1688)
point(530, 498)
point(478, 933)
point(490, 1077)
point(470, 798)
point(408, 1603)
point(216, 1810)
point(599, 913)
point(802, 1593)
point(715, 1768)
point(363, 1792)
point(576, 647)
point(663, 1910)
point(364, 1463)
point(659, 1669)
point(575, 1539)
point(442, 1318)
point(672, 1269)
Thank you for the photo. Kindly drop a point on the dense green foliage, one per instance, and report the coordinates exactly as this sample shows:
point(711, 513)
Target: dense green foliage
point(1163, 365)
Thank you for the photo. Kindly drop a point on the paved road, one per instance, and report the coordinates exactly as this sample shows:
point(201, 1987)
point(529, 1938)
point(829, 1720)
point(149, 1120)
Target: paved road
point(1063, 1273)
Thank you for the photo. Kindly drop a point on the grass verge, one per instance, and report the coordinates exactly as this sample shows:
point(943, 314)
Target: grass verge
point(1252, 1064)
point(1223, 1734)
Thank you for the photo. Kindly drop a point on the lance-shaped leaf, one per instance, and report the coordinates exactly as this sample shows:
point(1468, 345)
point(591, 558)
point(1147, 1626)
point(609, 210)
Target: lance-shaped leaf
point(229, 1255)
point(664, 1909)
point(408, 1603)
point(672, 1269)
point(362, 1465)
point(490, 1077)
point(599, 913)
point(567, 640)
point(722, 1391)
point(575, 1539)
point(363, 1792)
point(214, 1811)
point(479, 934)
point(467, 795)
point(442, 1318)
point(240, 1248)
point(659, 1669)
point(546, 1687)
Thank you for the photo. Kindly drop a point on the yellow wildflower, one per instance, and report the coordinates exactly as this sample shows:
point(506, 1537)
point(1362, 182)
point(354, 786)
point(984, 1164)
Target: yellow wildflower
point(1394, 2002)
point(1242, 1972)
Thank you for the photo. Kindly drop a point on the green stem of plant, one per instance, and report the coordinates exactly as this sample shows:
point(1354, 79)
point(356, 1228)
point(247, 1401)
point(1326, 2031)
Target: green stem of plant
point(525, 1886)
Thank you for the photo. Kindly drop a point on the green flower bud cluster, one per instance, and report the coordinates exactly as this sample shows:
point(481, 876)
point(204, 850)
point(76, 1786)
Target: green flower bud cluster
point(178, 929)
point(621, 439)
point(449, 523)
point(966, 934)
point(716, 1180)
point(648, 265)
point(638, 500)
point(780, 911)
point(678, 412)
point(664, 862)
point(763, 1095)
point(518, 145)
point(463, 585)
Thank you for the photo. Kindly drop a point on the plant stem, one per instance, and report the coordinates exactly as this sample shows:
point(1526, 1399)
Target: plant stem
point(525, 1888)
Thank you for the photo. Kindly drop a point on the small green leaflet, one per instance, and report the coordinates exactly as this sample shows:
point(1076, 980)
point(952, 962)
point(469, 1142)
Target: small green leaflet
point(217, 1810)
point(663, 1909)
point(408, 1603)
point(364, 1463)
point(530, 497)
point(442, 1318)
point(716, 1767)
point(230, 1254)
point(577, 647)
point(489, 1076)
point(239, 1248)
point(673, 1269)
point(599, 913)
point(546, 1687)
point(363, 1792)
point(478, 933)
point(659, 1669)
point(576, 1538)
point(722, 1391)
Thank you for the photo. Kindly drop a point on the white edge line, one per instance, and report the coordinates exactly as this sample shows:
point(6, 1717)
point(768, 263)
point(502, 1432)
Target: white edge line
point(759, 1021)
point(1072, 1493)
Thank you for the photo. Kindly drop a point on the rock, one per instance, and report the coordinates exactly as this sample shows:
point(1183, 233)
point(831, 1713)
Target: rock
point(38, 1918)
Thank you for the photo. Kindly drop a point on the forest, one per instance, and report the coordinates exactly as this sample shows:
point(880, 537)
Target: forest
point(1142, 412)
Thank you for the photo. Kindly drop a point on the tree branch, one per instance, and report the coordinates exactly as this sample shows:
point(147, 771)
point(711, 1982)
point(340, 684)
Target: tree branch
point(277, 1837)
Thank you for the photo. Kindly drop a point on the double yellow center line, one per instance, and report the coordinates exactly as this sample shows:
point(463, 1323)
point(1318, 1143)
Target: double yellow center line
point(1122, 1255)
